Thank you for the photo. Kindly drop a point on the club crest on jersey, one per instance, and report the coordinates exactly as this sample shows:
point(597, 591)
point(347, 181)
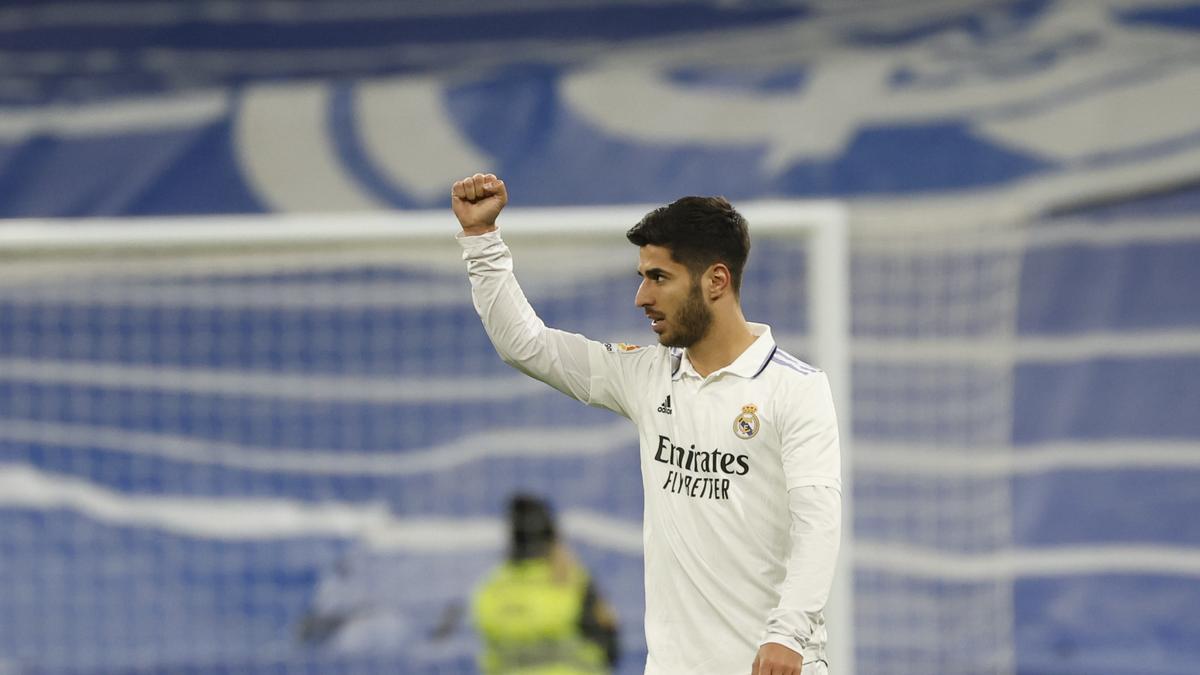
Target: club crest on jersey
point(746, 424)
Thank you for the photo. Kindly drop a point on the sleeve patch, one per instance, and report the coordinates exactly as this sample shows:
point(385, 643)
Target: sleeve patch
point(616, 347)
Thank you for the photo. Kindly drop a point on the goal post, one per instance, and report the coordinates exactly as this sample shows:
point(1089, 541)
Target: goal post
point(328, 316)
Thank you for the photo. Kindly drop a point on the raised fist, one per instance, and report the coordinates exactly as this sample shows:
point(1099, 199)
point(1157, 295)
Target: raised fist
point(477, 201)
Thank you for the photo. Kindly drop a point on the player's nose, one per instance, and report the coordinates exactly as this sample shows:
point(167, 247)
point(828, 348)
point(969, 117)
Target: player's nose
point(642, 298)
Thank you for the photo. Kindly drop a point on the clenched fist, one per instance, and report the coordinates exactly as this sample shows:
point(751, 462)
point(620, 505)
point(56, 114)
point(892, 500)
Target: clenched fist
point(477, 201)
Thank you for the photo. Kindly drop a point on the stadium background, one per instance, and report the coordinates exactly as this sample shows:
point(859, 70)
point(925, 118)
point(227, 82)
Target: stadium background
point(1022, 177)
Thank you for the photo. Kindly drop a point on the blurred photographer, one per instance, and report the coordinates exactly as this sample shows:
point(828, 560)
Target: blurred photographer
point(539, 612)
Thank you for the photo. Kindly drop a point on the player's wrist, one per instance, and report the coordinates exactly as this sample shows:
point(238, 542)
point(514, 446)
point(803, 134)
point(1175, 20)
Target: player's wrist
point(476, 230)
point(789, 642)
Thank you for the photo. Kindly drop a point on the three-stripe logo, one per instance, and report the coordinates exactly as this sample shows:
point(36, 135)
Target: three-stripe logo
point(665, 408)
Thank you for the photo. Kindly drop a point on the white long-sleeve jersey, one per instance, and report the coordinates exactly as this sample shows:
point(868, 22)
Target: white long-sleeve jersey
point(741, 471)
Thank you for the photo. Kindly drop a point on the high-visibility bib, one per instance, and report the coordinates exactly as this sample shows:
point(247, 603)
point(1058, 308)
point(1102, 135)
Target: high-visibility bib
point(530, 622)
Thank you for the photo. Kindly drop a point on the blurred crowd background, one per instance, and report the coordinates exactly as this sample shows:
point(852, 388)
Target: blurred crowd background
point(297, 458)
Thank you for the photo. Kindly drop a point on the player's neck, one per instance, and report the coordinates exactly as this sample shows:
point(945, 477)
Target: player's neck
point(727, 339)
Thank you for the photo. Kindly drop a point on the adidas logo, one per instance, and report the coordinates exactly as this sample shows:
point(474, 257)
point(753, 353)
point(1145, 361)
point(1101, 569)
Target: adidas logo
point(666, 406)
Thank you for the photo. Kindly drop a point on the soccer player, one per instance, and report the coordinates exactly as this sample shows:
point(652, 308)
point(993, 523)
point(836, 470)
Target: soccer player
point(739, 443)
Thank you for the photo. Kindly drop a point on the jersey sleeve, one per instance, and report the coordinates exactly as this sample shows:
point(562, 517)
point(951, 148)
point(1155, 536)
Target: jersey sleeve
point(619, 374)
point(599, 374)
point(810, 447)
point(816, 525)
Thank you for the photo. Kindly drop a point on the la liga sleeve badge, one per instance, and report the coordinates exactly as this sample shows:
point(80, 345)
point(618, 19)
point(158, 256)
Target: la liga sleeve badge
point(746, 424)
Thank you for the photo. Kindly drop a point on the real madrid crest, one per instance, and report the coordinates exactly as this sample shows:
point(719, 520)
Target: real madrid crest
point(746, 424)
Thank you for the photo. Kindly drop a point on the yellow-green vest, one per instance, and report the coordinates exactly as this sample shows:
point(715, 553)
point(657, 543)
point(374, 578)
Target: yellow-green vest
point(529, 622)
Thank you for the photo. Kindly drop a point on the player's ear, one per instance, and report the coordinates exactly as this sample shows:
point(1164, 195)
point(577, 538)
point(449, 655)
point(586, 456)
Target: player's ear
point(719, 280)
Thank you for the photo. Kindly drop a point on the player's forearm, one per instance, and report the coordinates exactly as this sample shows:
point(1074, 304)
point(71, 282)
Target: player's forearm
point(519, 336)
point(815, 534)
point(507, 316)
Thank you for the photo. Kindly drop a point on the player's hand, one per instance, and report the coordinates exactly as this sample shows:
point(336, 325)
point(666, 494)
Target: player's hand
point(477, 201)
point(775, 659)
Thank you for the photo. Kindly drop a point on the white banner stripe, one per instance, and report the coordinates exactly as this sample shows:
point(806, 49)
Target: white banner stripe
point(1099, 345)
point(397, 389)
point(885, 458)
point(1003, 353)
point(604, 531)
point(1164, 231)
point(268, 519)
point(1025, 563)
point(916, 459)
point(132, 116)
point(241, 519)
point(498, 442)
point(1029, 237)
point(267, 294)
point(994, 353)
point(294, 296)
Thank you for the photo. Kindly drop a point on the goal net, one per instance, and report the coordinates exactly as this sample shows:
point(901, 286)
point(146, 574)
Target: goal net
point(934, 324)
point(285, 444)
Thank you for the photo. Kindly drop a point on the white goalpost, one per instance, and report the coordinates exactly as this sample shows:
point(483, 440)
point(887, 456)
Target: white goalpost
point(220, 412)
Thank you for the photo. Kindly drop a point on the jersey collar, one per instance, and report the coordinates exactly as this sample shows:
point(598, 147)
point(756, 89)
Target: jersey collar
point(748, 365)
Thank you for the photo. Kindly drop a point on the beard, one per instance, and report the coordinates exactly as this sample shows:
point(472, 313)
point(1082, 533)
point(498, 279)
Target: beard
point(692, 323)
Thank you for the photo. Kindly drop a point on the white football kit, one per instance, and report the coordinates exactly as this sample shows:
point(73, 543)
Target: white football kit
point(741, 471)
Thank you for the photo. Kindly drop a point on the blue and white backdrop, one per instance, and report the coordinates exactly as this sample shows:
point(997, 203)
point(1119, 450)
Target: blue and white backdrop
point(1024, 184)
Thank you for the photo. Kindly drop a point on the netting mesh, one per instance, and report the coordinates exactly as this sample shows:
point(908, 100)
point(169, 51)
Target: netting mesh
point(296, 460)
point(934, 319)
